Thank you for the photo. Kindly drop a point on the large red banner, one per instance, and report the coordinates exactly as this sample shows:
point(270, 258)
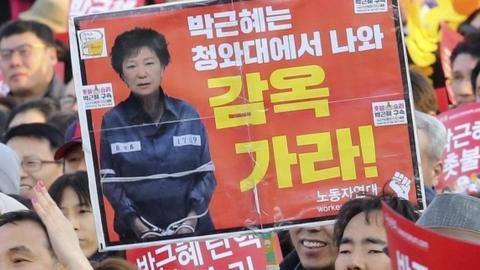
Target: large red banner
point(243, 252)
point(412, 247)
point(305, 103)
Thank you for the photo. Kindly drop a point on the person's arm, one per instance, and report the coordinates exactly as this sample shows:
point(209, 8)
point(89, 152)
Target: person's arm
point(60, 231)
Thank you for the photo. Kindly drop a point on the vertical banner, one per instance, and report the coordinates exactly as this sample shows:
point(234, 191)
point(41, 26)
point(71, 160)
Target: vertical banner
point(462, 154)
point(412, 247)
point(214, 117)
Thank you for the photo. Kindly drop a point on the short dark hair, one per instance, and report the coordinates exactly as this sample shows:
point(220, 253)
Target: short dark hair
point(62, 120)
point(470, 45)
point(17, 217)
point(38, 131)
point(475, 73)
point(113, 263)
point(368, 204)
point(130, 42)
point(46, 106)
point(77, 181)
point(42, 31)
point(423, 92)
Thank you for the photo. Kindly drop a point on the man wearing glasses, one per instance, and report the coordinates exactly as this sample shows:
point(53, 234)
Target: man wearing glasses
point(36, 144)
point(27, 60)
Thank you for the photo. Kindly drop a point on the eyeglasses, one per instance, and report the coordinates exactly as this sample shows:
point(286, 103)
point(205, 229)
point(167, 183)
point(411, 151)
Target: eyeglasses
point(24, 51)
point(33, 165)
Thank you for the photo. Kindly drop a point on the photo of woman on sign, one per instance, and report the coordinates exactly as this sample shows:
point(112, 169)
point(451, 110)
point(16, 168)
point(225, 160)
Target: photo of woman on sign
point(156, 169)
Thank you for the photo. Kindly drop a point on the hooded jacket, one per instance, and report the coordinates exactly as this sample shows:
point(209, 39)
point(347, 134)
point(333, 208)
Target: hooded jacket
point(9, 170)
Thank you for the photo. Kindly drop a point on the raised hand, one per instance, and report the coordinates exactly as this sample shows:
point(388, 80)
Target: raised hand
point(400, 183)
point(60, 231)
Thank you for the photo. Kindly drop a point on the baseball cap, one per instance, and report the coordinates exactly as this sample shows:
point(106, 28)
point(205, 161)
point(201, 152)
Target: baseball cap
point(73, 137)
point(452, 211)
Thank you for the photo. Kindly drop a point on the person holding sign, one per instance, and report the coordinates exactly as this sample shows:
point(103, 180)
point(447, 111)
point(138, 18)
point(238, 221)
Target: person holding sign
point(155, 162)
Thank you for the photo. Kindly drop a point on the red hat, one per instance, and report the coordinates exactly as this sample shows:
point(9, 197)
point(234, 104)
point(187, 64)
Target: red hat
point(73, 137)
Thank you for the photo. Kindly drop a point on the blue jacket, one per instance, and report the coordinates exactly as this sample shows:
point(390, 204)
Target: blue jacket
point(158, 171)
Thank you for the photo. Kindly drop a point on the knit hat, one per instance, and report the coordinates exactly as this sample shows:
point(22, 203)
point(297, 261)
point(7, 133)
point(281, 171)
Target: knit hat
point(9, 170)
point(452, 211)
point(53, 13)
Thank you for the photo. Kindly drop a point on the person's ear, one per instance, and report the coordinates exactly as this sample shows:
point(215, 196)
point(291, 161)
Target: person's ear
point(52, 55)
point(437, 172)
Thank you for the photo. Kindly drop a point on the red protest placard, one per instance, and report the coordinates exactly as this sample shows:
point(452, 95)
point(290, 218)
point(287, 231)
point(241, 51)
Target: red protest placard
point(462, 153)
point(296, 115)
point(244, 252)
point(412, 247)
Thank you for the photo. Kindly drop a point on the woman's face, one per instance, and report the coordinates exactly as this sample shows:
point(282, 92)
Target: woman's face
point(81, 217)
point(143, 72)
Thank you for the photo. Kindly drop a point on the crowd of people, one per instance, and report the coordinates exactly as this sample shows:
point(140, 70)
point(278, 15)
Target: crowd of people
point(47, 220)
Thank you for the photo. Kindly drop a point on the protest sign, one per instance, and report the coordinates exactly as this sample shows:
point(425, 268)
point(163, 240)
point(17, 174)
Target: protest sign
point(243, 252)
point(461, 158)
point(290, 108)
point(412, 247)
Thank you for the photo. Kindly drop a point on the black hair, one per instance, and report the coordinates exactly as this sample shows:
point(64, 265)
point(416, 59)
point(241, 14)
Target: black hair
point(77, 181)
point(368, 204)
point(62, 120)
point(16, 27)
point(130, 42)
point(114, 263)
point(470, 45)
point(17, 217)
point(46, 106)
point(38, 131)
point(475, 73)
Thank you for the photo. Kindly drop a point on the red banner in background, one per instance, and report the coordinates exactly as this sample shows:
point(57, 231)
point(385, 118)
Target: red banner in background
point(246, 252)
point(461, 165)
point(412, 247)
